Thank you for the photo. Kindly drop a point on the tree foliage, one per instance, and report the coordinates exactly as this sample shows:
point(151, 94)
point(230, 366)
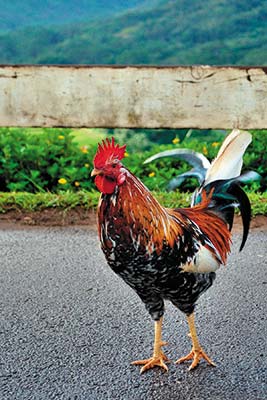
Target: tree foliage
point(170, 32)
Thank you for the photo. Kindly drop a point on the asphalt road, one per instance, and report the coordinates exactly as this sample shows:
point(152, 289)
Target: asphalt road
point(69, 327)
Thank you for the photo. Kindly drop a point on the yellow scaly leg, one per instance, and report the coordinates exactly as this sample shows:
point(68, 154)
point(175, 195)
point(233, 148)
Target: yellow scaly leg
point(196, 353)
point(158, 358)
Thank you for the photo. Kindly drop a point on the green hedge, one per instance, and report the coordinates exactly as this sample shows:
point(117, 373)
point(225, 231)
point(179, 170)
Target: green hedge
point(46, 161)
point(51, 161)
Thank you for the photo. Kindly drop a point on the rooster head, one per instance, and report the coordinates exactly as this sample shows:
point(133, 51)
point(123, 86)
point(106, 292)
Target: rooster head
point(108, 170)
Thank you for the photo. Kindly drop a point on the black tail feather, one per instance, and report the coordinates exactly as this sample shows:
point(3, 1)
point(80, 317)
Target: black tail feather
point(245, 209)
point(226, 196)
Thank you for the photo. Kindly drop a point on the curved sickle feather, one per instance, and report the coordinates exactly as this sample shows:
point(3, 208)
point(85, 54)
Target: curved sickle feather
point(245, 209)
point(193, 173)
point(248, 177)
point(197, 160)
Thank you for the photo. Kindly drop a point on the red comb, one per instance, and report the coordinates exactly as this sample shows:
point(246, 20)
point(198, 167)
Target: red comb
point(108, 151)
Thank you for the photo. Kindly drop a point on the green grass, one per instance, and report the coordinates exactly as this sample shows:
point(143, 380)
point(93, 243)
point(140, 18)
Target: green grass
point(28, 202)
point(83, 136)
point(88, 137)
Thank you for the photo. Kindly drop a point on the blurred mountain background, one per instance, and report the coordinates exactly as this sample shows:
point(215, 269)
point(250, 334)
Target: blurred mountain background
point(214, 32)
point(134, 32)
point(18, 14)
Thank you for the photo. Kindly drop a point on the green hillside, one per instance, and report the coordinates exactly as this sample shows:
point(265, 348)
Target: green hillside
point(17, 14)
point(173, 32)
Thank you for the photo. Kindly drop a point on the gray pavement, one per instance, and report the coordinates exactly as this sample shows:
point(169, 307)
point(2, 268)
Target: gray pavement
point(69, 327)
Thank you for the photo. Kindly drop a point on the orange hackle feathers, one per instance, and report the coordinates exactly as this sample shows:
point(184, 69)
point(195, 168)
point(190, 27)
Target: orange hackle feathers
point(108, 151)
point(140, 213)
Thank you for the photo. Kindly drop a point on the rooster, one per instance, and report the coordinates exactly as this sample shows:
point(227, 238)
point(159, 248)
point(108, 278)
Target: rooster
point(169, 254)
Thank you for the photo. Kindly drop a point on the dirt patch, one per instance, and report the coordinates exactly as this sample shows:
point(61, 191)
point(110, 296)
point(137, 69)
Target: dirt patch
point(50, 217)
point(80, 216)
point(257, 223)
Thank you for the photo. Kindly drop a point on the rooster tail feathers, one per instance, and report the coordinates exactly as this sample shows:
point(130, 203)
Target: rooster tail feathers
point(245, 208)
point(222, 181)
point(226, 195)
point(219, 181)
point(228, 163)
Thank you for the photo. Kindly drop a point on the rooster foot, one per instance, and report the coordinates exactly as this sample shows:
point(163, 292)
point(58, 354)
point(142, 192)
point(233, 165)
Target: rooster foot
point(154, 361)
point(158, 358)
point(195, 355)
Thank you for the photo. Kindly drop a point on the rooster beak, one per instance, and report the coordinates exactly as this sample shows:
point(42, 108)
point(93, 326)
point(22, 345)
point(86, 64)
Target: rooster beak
point(96, 172)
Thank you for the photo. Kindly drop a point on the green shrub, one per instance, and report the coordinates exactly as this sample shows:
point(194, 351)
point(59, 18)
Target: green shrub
point(48, 161)
point(256, 158)
point(51, 160)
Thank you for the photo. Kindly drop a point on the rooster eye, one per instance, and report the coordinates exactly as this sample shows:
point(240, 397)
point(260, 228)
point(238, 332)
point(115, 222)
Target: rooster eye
point(115, 163)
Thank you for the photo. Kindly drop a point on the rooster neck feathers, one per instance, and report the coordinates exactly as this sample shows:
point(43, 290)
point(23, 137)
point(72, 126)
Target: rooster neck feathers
point(142, 213)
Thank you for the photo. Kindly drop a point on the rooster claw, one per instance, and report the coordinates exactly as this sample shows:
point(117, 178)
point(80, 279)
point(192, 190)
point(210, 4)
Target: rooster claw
point(155, 361)
point(196, 356)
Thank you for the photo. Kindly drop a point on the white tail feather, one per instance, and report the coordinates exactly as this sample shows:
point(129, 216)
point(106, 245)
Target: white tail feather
point(229, 160)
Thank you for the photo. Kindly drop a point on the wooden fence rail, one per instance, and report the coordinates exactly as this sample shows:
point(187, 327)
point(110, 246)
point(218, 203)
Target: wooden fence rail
point(134, 97)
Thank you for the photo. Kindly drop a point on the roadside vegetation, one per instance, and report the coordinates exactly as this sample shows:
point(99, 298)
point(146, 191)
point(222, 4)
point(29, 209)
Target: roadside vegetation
point(50, 168)
point(29, 202)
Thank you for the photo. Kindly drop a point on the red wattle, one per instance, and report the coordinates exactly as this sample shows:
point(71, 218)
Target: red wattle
point(105, 185)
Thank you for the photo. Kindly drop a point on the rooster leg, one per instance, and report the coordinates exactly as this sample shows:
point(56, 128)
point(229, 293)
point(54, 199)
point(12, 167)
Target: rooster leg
point(196, 353)
point(158, 358)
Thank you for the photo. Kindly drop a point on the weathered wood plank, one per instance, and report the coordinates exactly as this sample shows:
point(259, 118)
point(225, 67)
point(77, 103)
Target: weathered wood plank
point(135, 97)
